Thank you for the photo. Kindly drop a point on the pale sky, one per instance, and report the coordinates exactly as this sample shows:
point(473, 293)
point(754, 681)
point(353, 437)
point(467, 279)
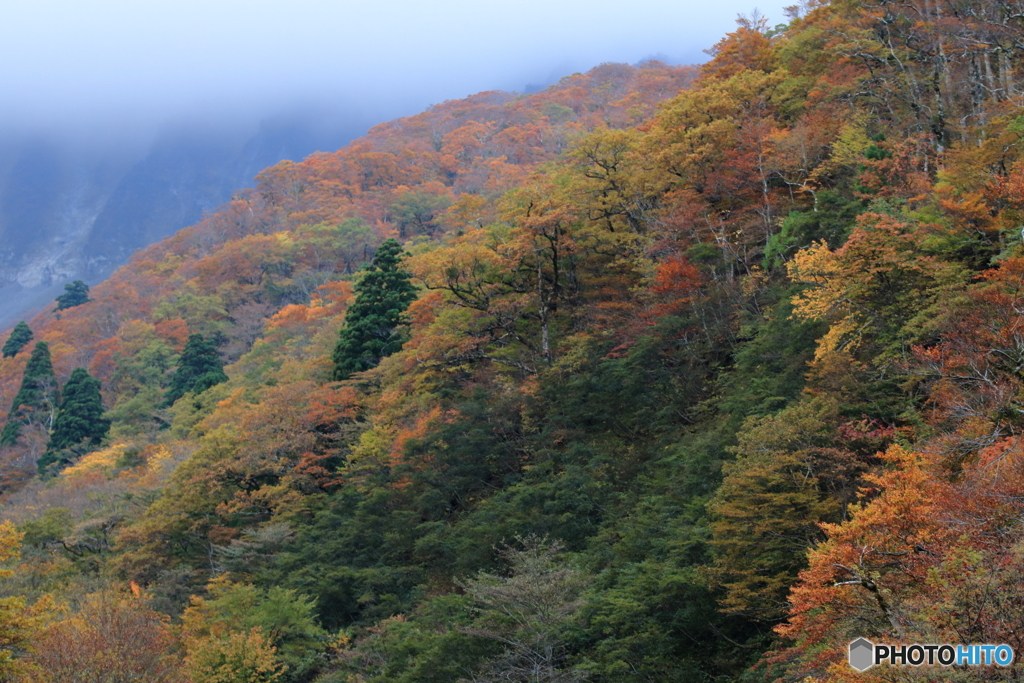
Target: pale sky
point(135, 62)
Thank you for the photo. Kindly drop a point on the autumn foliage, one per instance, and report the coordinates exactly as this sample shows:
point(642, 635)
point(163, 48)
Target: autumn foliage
point(733, 352)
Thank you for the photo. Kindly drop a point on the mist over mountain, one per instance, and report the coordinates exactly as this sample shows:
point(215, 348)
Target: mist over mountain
point(121, 123)
point(70, 210)
point(662, 373)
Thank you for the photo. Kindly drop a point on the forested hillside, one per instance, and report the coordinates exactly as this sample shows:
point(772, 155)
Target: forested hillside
point(659, 374)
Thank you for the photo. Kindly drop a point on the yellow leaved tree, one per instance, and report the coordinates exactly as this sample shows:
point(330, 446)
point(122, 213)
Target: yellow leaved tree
point(19, 621)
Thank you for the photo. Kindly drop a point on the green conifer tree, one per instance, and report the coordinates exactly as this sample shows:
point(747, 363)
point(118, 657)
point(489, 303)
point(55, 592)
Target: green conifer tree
point(20, 336)
point(199, 368)
point(372, 321)
point(80, 425)
point(37, 393)
point(75, 294)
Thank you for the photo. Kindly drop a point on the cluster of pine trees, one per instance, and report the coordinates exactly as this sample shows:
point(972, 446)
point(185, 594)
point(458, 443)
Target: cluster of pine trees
point(664, 374)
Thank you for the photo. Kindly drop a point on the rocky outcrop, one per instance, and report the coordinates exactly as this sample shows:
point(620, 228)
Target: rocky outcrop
point(70, 210)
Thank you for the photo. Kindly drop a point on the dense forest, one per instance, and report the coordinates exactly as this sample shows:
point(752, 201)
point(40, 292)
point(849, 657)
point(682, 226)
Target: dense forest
point(659, 374)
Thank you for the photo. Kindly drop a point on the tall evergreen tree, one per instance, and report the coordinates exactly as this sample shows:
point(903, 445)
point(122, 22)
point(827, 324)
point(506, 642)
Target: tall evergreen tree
point(80, 424)
point(199, 368)
point(372, 321)
point(75, 294)
point(20, 336)
point(37, 393)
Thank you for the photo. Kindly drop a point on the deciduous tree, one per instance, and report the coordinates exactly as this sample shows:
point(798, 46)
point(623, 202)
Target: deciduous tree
point(19, 622)
point(793, 472)
point(110, 639)
point(528, 612)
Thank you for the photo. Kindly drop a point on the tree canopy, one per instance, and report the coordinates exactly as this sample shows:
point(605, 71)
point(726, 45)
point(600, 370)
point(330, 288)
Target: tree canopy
point(373, 320)
point(20, 336)
point(79, 425)
point(36, 398)
point(75, 294)
point(705, 372)
point(199, 368)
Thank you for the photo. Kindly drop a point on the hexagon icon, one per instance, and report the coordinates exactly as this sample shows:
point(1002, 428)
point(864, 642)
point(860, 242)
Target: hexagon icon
point(862, 654)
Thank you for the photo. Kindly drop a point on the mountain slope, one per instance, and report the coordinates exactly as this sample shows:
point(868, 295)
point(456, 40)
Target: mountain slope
point(68, 212)
point(705, 378)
